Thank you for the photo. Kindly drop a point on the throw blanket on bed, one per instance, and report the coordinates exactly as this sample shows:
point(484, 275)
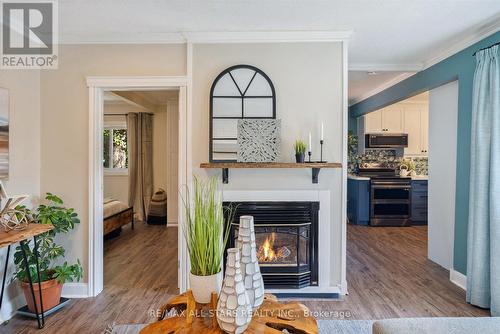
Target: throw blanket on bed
point(112, 207)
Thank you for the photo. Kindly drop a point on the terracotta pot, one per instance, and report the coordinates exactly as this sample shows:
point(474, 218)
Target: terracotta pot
point(51, 294)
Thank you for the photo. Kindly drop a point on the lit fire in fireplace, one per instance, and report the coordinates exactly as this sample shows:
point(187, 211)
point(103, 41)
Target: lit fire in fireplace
point(267, 252)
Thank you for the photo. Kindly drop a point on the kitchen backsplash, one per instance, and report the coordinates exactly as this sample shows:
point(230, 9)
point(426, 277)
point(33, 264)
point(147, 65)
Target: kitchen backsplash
point(388, 158)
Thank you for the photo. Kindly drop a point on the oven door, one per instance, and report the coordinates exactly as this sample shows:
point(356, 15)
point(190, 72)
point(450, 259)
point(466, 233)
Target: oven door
point(390, 204)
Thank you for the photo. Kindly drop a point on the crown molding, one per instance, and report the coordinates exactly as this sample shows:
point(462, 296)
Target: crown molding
point(466, 40)
point(206, 37)
point(382, 87)
point(267, 36)
point(385, 67)
point(120, 38)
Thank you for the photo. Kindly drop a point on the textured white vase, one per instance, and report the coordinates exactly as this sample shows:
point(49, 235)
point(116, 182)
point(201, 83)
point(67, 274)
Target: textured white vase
point(254, 284)
point(203, 286)
point(234, 311)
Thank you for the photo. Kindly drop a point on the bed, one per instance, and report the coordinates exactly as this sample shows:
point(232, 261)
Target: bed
point(116, 214)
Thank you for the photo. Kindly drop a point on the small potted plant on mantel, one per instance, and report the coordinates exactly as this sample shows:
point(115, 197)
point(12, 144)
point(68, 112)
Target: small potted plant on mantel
point(206, 236)
point(300, 151)
point(53, 274)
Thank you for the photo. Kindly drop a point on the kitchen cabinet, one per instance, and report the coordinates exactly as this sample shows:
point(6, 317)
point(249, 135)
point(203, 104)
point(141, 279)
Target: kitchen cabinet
point(411, 118)
point(358, 201)
point(419, 202)
point(416, 125)
point(373, 122)
point(388, 119)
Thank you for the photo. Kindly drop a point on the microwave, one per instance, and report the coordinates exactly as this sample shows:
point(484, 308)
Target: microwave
point(386, 140)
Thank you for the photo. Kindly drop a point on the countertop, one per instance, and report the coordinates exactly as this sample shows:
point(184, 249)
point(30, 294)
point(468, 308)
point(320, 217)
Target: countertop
point(365, 178)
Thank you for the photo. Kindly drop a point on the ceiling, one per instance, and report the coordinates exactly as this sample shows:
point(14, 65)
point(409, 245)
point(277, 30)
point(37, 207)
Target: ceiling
point(363, 84)
point(388, 35)
point(149, 100)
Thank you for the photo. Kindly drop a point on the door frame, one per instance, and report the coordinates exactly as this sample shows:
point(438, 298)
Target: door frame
point(96, 87)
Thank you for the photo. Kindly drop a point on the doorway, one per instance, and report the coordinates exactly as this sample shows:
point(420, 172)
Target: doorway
point(98, 86)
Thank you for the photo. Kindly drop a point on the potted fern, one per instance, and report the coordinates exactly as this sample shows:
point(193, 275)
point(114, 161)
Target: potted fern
point(53, 274)
point(300, 151)
point(206, 236)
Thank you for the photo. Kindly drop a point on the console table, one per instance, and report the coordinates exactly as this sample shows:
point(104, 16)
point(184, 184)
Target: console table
point(7, 238)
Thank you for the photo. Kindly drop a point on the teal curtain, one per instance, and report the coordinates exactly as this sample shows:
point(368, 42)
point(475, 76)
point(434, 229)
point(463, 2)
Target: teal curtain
point(483, 244)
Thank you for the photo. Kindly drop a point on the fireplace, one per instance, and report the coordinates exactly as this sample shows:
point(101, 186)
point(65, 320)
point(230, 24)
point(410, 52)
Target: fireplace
point(286, 234)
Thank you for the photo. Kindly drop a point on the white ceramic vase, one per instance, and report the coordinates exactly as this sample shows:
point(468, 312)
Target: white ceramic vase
point(234, 311)
point(254, 284)
point(203, 286)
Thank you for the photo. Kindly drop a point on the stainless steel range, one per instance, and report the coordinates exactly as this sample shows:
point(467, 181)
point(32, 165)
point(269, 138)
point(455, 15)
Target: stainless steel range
point(390, 197)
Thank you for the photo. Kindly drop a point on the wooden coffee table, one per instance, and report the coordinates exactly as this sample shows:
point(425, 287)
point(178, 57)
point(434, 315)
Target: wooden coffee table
point(271, 318)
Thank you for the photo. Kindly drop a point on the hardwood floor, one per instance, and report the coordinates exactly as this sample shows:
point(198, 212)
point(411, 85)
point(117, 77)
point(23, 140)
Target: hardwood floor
point(389, 276)
point(140, 273)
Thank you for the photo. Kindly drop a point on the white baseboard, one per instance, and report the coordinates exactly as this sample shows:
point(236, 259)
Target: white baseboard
point(75, 290)
point(458, 279)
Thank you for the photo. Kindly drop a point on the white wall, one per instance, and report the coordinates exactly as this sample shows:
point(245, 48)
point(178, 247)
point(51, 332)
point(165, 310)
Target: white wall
point(24, 178)
point(165, 155)
point(65, 131)
point(308, 82)
point(443, 110)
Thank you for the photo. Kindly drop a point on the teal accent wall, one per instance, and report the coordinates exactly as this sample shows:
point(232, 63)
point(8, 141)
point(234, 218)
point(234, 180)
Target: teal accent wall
point(459, 67)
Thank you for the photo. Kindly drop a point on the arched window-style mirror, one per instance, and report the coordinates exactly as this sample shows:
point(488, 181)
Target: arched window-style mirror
point(239, 92)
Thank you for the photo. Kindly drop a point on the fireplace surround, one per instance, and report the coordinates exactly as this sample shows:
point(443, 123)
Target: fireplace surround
point(287, 240)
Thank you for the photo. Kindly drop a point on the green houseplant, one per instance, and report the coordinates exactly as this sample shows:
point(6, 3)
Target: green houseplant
point(53, 273)
point(206, 236)
point(300, 150)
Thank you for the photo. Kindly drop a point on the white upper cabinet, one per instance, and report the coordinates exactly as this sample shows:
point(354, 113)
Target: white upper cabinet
point(373, 122)
point(392, 120)
point(412, 121)
point(424, 134)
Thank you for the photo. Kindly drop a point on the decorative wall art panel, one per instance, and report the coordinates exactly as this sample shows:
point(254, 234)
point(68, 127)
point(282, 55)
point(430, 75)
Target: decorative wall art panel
point(259, 140)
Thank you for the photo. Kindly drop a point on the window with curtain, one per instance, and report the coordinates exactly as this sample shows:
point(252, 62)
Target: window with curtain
point(115, 150)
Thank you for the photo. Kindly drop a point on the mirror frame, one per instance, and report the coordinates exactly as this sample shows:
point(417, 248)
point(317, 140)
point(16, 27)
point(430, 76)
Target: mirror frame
point(242, 97)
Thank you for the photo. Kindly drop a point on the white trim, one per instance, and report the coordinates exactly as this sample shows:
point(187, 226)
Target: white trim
point(266, 36)
point(135, 82)
point(383, 87)
point(465, 41)
point(458, 279)
point(75, 290)
point(386, 67)
point(345, 120)
point(207, 37)
point(96, 86)
point(115, 171)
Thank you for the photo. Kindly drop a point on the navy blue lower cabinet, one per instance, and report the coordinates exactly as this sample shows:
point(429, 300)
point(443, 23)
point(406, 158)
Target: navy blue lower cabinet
point(358, 201)
point(419, 199)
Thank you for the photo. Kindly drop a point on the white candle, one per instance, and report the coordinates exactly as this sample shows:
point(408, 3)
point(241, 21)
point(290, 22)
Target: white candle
point(322, 135)
point(310, 142)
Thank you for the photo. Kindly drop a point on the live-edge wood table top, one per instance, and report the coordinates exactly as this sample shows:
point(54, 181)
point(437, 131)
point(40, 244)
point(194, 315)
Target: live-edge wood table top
point(12, 236)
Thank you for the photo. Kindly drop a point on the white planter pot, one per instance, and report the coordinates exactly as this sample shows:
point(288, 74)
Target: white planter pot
point(203, 286)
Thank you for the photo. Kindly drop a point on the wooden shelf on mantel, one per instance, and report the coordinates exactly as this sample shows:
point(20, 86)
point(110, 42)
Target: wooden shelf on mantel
point(315, 167)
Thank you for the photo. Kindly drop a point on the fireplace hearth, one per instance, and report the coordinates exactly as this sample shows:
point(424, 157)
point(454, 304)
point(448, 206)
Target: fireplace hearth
point(286, 234)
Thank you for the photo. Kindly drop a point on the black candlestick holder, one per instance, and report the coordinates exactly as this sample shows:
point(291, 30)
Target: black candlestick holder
point(321, 150)
point(309, 153)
